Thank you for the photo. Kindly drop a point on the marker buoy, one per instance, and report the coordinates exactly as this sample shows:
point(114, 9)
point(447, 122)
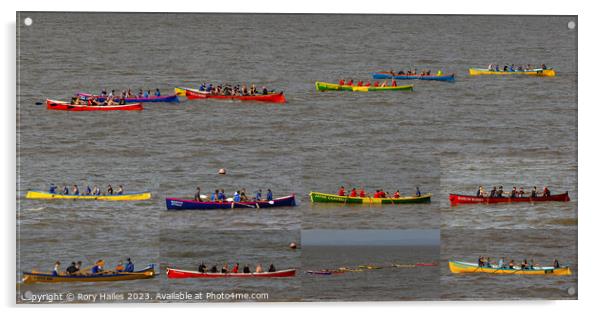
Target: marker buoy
point(222, 171)
point(292, 245)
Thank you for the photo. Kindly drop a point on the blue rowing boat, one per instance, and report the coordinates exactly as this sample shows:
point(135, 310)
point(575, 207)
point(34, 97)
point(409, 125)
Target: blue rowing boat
point(386, 75)
point(181, 204)
point(162, 98)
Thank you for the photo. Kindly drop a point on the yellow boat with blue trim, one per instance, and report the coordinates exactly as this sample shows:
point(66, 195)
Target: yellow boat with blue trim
point(39, 195)
point(532, 72)
point(466, 267)
point(109, 276)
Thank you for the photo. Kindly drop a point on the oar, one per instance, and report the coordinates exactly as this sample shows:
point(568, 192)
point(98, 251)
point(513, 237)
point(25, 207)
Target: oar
point(232, 200)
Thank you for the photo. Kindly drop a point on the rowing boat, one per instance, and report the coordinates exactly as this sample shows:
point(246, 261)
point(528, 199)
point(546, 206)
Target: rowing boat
point(66, 106)
point(152, 98)
point(468, 199)
point(324, 272)
point(534, 72)
point(466, 267)
point(181, 204)
point(183, 274)
point(37, 277)
point(193, 94)
point(181, 92)
point(325, 86)
point(386, 75)
point(115, 197)
point(333, 198)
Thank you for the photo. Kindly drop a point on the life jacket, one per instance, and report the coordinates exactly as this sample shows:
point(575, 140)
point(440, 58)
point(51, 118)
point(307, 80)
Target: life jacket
point(341, 192)
point(362, 193)
point(353, 193)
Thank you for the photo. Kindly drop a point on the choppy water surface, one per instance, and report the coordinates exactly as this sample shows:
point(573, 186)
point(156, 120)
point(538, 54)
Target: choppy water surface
point(442, 137)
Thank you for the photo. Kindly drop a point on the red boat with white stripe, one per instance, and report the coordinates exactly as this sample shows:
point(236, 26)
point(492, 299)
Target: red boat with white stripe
point(471, 199)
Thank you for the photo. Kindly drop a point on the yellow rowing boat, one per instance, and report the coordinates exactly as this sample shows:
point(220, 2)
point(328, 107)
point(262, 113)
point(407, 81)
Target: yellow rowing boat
point(466, 267)
point(534, 72)
point(115, 197)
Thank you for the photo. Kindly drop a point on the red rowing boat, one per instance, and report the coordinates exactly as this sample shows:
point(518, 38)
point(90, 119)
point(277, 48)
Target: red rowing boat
point(183, 274)
point(66, 106)
point(271, 97)
point(470, 199)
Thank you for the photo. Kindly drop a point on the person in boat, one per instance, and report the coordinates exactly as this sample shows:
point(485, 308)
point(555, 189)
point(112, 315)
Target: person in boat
point(488, 262)
point(377, 194)
point(253, 90)
point(214, 195)
point(383, 194)
point(56, 269)
point(367, 83)
point(236, 197)
point(75, 189)
point(71, 269)
point(531, 265)
point(375, 84)
point(393, 83)
point(243, 195)
point(505, 67)
point(501, 263)
point(246, 269)
point(140, 93)
point(272, 268)
point(493, 192)
point(418, 193)
point(258, 268)
point(120, 190)
point(521, 192)
point(221, 196)
point(96, 190)
point(480, 192)
point(202, 268)
point(490, 67)
point(258, 195)
point(213, 269)
point(342, 82)
point(197, 194)
point(401, 72)
point(88, 190)
point(129, 266)
point(480, 262)
point(534, 192)
point(546, 192)
point(235, 268)
point(360, 83)
point(269, 195)
point(342, 191)
point(556, 264)
point(110, 100)
point(397, 195)
point(511, 264)
point(349, 83)
point(122, 101)
point(97, 268)
point(353, 193)
point(524, 265)
point(225, 268)
point(145, 94)
point(109, 190)
point(362, 193)
point(244, 90)
point(544, 67)
point(103, 93)
point(52, 189)
point(157, 92)
point(65, 190)
point(119, 267)
point(500, 192)
point(264, 91)
point(514, 192)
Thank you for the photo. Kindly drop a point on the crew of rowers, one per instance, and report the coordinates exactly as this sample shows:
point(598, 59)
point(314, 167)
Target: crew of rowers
point(238, 196)
point(235, 269)
point(111, 98)
point(235, 90)
point(524, 265)
point(378, 194)
point(513, 68)
point(515, 193)
point(97, 268)
point(414, 72)
point(95, 191)
point(360, 83)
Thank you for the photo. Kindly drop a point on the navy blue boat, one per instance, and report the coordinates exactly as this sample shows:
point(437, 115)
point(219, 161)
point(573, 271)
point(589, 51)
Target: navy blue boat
point(162, 98)
point(386, 75)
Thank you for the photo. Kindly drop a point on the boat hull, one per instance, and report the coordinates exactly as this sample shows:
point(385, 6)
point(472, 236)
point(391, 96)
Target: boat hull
point(325, 86)
point(66, 106)
point(536, 73)
point(465, 267)
point(163, 98)
point(34, 277)
point(186, 274)
point(181, 204)
point(192, 94)
point(318, 197)
point(455, 199)
point(122, 197)
point(444, 77)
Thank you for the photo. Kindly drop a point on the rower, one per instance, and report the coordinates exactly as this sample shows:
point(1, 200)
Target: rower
point(78, 266)
point(129, 266)
point(521, 192)
point(272, 268)
point(197, 195)
point(236, 197)
point(396, 195)
point(362, 193)
point(534, 192)
point(225, 268)
point(213, 269)
point(56, 269)
point(524, 265)
point(258, 269)
point(122, 101)
point(52, 189)
point(514, 192)
point(546, 192)
point(65, 190)
point(544, 67)
point(493, 192)
point(556, 264)
point(342, 82)
point(140, 93)
point(71, 269)
point(258, 195)
point(500, 191)
point(349, 83)
point(480, 192)
point(235, 268)
point(157, 93)
point(418, 193)
point(109, 190)
point(96, 190)
point(120, 190)
point(500, 264)
point(246, 269)
point(243, 195)
point(342, 191)
point(88, 190)
point(377, 194)
point(97, 268)
point(221, 196)
point(264, 91)
point(393, 83)
point(269, 195)
point(146, 94)
point(119, 267)
point(353, 193)
point(214, 196)
point(511, 264)
point(375, 83)
point(383, 194)
point(360, 83)
point(202, 268)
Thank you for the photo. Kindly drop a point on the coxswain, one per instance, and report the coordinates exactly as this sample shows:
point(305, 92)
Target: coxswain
point(235, 268)
point(202, 267)
point(236, 197)
point(88, 190)
point(493, 192)
point(514, 192)
point(157, 92)
point(52, 189)
point(109, 190)
point(342, 191)
point(65, 190)
point(246, 269)
point(418, 193)
point(396, 195)
point(556, 264)
point(353, 193)
point(71, 269)
point(119, 267)
point(56, 269)
point(258, 269)
point(197, 195)
point(546, 192)
point(120, 190)
point(129, 266)
point(258, 195)
point(269, 196)
point(272, 268)
point(225, 268)
point(362, 193)
point(534, 192)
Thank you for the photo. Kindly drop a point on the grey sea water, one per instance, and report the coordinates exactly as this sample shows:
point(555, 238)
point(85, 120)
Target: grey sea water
point(442, 137)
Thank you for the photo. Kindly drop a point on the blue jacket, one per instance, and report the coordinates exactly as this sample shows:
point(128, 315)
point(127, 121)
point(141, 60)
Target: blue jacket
point(129, 267)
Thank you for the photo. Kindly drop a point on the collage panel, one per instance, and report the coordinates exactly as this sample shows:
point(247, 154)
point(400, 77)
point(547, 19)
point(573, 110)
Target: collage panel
point(550, 271)
point(185, 251)
point(370, 265)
